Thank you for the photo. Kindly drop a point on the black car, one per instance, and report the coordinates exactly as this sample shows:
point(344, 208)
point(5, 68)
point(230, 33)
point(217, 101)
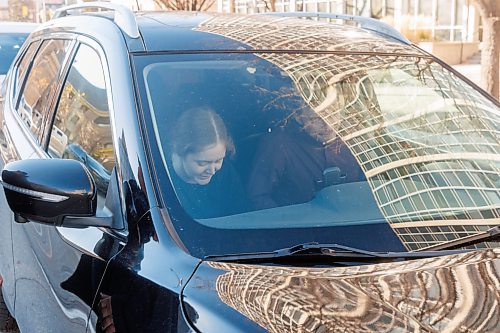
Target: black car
point(99, 173)
point(197, 172)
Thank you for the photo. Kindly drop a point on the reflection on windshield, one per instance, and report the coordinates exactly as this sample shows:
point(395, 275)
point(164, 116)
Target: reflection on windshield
point(420, 142)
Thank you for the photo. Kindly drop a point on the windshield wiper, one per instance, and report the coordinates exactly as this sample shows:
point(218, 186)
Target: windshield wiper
point(336, 252)
point(489, 235)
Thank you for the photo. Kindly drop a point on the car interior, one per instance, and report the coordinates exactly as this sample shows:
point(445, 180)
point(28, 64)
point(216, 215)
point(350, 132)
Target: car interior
point(254, 98)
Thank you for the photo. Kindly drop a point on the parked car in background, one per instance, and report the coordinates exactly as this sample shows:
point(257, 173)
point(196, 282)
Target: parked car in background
point(343, 179)
point(12, 37)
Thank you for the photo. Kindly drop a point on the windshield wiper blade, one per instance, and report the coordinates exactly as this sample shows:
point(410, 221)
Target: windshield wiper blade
point(304, 249)
point(489, 235)
point(334, 251)
point(325, 249)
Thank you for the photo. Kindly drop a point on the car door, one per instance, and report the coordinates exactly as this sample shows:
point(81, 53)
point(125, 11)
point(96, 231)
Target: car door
point(58, 269)
point(81, 130)
point(25, 109)
point(9, 152)
point(33, 244)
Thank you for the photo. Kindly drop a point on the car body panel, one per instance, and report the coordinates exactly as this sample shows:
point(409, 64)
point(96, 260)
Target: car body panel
point(44, 241)
point(449, 293)
point(205, 32)
point(37, 287)
point(22, 149)
point(163, 33)
point(146, 292)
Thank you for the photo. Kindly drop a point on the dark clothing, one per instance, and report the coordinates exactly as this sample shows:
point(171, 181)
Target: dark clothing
point(224, 195)
point(288, 168)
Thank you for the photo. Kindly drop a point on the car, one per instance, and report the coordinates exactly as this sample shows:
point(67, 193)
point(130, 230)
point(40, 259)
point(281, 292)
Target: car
point(99, 173)
point(12, 37)
point(290, 172)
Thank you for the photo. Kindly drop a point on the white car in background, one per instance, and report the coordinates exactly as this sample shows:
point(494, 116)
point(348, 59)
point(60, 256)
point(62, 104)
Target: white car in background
point(12, 36)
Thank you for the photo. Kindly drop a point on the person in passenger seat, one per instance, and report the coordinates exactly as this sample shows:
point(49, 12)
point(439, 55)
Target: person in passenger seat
point(290, 167)
point(204, 179)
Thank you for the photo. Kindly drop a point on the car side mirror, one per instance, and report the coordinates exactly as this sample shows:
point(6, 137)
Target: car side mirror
point(48, 190)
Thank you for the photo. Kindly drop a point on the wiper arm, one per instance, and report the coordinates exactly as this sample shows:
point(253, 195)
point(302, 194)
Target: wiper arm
point(304, 249)
point(489, 235)
point(334, 251)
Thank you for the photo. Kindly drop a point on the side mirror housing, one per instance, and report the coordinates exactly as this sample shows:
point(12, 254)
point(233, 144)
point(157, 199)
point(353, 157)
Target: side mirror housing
point(48, 190)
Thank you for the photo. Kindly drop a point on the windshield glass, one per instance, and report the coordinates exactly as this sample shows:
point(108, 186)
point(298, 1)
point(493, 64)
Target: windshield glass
point(9, 46)
point(263, 151)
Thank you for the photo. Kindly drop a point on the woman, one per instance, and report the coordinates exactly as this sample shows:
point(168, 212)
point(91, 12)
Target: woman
point(204, 180)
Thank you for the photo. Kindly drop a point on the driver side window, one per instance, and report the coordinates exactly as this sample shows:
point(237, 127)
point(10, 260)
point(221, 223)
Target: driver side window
point(82, 128)
point(33, 106)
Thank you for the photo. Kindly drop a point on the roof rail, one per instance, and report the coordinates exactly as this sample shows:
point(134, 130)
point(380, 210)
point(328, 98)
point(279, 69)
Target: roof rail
point(364, 22)
point(124, 17)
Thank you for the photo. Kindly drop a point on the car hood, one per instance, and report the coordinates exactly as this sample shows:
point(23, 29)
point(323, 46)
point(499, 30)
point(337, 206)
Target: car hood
point(454, 293)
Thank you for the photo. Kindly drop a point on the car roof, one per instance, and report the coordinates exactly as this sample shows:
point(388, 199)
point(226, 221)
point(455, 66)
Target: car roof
point(17, 27)
point(177, 31)
point(163, 31)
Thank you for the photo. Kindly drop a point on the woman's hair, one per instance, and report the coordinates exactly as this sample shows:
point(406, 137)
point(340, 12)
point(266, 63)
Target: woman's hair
point(198, 128)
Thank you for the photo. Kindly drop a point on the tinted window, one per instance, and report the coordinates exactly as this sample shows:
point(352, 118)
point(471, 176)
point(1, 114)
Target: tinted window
point(9, 46)
point(284, 154)
point(360, 157)
point(81, 128)
point(42, 79)
point(26, 60)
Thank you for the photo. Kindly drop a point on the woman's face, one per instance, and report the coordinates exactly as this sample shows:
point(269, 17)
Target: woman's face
point(198, 168)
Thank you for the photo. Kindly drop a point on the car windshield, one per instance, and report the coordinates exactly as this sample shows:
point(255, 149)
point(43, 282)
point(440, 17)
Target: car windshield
point(263, 151)
point(9, 46)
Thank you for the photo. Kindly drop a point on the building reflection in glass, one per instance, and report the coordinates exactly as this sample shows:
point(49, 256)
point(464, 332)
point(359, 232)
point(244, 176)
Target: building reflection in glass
point(449, 294)
point(428, 146)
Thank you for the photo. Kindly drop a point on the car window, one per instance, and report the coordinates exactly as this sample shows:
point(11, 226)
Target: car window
point(81, 128)
point(397, 145)
point(23, 66)
point(283, 156)
point(42, 79)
